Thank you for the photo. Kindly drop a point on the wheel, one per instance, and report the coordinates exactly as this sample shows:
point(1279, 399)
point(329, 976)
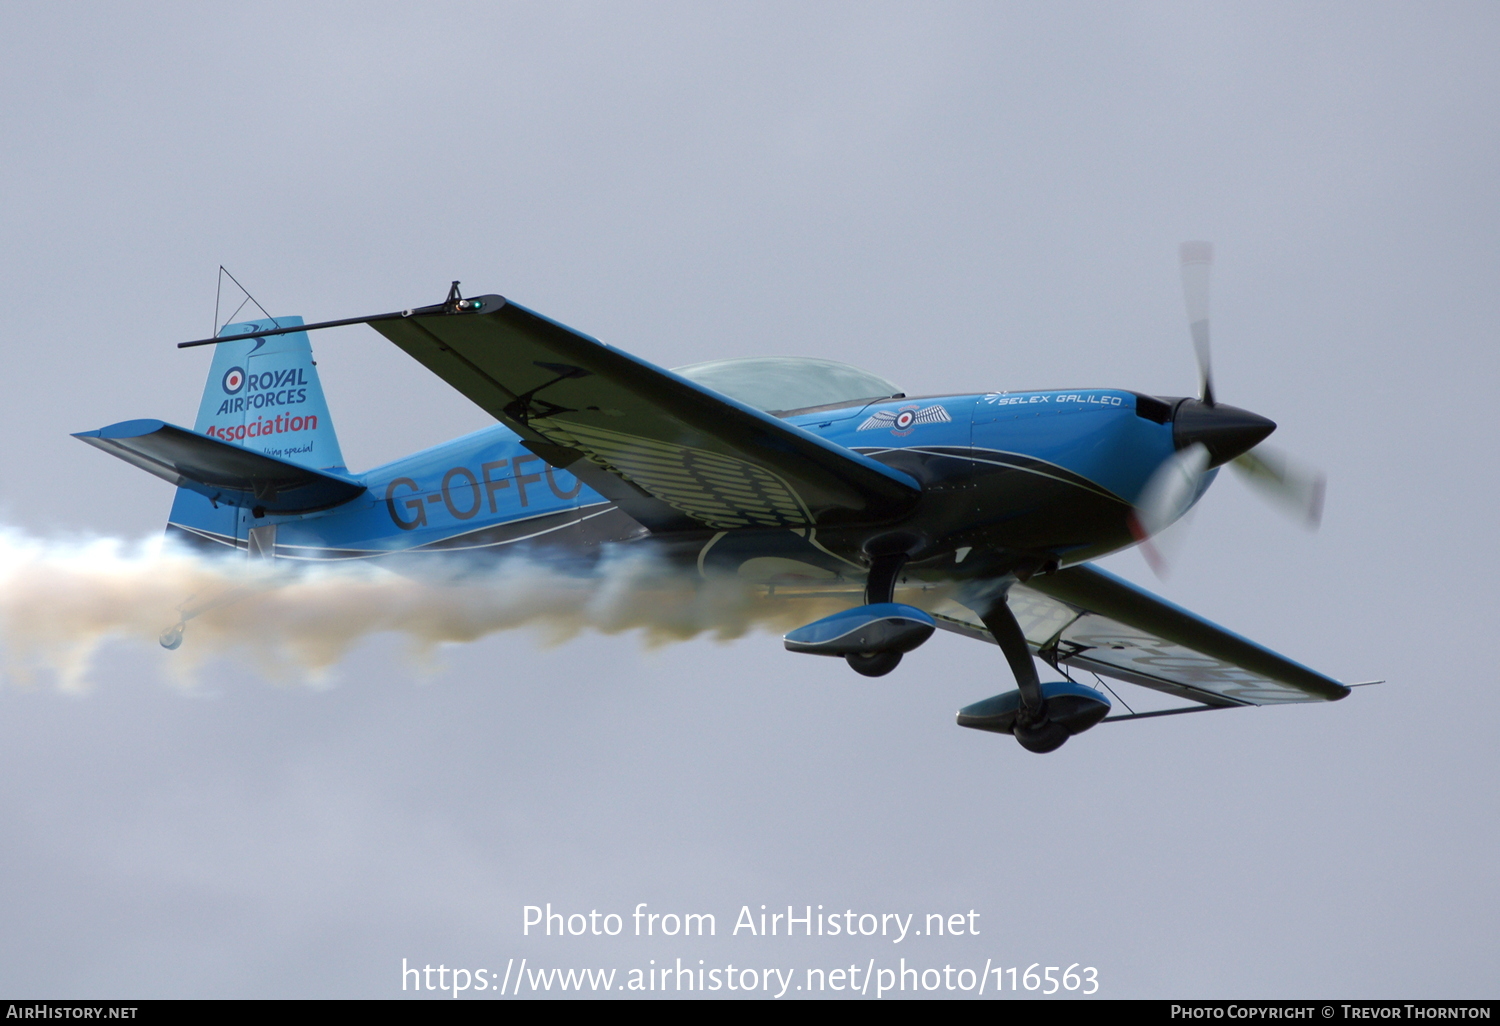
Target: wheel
point(1045, 737)
point(874, 664)
point(171, 638)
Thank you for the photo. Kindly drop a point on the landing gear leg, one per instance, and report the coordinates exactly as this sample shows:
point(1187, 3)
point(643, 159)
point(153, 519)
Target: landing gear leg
point(202, 602)
point(880, 586)
point(1032, 729)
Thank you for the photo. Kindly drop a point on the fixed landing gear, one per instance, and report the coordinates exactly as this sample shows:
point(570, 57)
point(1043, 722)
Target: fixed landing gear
point(1031, 727)
point(202, 602)
point(873, 637)
point(1040, 716)
point(1041, 736)
point(880, 586)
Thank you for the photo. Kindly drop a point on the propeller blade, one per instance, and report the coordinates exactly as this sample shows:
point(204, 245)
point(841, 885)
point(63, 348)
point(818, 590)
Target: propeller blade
point(1167, 496)
point(1296, 488)
point(1164, 551)
point(1197, 262)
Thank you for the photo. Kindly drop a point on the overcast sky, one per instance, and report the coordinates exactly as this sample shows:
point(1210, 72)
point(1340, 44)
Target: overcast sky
point(955, 196)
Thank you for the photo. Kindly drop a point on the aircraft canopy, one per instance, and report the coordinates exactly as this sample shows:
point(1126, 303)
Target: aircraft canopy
point(780, 383)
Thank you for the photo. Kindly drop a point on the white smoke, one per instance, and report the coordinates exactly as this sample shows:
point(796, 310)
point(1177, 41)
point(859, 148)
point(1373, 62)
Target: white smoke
point(61, 601)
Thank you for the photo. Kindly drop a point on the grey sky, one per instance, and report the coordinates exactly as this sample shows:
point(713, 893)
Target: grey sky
point(957, 197)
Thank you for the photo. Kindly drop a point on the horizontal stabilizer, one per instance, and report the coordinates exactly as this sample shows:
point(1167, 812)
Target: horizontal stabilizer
point(224, 472)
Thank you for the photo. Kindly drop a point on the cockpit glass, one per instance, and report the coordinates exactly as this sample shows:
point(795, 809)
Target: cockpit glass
point(787, 382)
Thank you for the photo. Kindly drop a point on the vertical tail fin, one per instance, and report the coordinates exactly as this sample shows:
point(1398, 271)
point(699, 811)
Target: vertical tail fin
point(264, 394)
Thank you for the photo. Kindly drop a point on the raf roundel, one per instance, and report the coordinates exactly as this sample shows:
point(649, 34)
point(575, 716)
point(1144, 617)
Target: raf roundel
point(904, 421)
point(234, 380)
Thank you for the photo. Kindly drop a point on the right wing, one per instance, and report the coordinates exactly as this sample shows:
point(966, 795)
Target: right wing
point(704, 459)
point(1091, 620)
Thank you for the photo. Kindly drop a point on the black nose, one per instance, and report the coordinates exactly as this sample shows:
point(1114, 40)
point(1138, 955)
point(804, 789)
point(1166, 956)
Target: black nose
point(1225, 431)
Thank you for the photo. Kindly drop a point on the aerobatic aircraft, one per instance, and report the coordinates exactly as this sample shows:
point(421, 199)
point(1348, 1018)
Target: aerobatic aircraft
point(979, 512)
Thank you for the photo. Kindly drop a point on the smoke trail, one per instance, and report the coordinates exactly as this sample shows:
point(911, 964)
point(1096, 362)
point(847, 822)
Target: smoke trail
point(60, 601)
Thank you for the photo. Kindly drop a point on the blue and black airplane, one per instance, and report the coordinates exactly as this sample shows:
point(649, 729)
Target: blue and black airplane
point(981, 512)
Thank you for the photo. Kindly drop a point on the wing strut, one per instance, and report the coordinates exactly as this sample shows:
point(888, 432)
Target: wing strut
point(1166, 712)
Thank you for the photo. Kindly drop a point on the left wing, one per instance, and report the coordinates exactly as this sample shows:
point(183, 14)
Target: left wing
point(1085, 618)
point(717, 463)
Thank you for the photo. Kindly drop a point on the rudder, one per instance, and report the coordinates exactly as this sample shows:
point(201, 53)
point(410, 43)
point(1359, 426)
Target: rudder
point(262, 393)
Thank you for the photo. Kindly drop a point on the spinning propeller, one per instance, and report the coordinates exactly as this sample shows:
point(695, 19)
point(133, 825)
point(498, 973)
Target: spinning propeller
point(1209, 434)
